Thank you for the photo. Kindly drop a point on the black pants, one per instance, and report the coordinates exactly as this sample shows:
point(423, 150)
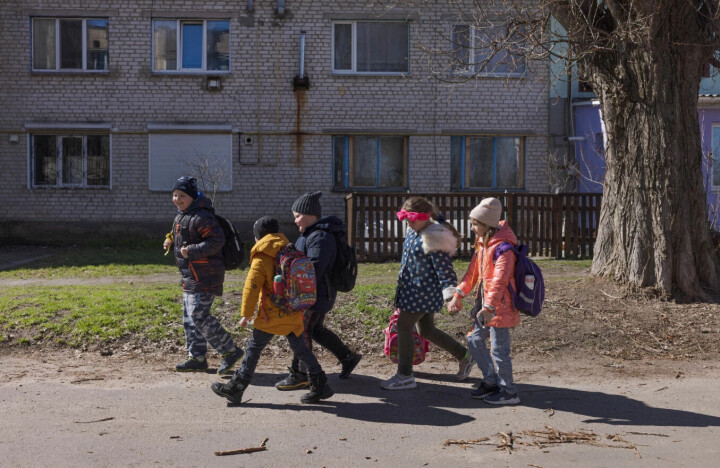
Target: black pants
point(315, 330)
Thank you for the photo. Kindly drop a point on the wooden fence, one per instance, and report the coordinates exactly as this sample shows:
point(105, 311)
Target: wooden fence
point(559, 226)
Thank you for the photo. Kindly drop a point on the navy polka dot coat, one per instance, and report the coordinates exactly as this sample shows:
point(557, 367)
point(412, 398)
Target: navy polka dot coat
point(426, 278)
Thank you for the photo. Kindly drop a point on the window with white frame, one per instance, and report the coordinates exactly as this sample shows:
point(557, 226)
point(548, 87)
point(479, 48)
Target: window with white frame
point(370, 47)
point(70, 44)
point(487, 51)
point(205, 156)
point(191, 45)
point(73, 161)
point(370, 161)
point(487, 162)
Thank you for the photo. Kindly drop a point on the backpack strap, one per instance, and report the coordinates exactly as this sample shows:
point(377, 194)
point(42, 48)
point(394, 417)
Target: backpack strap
point(501, 249)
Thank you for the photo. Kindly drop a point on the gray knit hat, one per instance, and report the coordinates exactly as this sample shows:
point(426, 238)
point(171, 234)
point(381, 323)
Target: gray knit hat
point(488, 212)
point(308, 204)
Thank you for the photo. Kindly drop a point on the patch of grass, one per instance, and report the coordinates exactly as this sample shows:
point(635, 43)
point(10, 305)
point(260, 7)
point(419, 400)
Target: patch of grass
point(91, 314)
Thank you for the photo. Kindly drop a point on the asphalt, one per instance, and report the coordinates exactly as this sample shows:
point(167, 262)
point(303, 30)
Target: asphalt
point(155, 417)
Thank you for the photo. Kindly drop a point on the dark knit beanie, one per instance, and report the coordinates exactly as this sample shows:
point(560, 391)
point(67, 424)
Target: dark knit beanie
point(187, 185)
point(264, 226)
point(308, 204)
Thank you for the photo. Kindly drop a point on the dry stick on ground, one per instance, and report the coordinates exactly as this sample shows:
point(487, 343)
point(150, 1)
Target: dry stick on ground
point(261, 448)
point(97, 420)
point(465, 443)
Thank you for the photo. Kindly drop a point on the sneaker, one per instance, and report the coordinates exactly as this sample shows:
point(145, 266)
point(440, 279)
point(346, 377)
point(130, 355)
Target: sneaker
point(193, 365)
point(229, 360)
point(348, 364)
point(484, 390)
point(465, 367)
point(294, 381)
point(502, 397)
point(399, 382)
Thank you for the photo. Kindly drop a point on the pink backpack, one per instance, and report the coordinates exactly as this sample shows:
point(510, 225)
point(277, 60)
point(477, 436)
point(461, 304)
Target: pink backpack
point(294, 286)
point(422, 346)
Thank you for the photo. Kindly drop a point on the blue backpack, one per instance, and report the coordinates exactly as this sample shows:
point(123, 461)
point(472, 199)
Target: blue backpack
point(528, 279)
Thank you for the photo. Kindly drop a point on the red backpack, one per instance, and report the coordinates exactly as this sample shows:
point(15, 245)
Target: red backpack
point(422, 346)
point(294, 285)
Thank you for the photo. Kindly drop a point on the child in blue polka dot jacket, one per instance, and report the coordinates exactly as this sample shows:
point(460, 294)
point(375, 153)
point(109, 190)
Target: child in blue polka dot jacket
point(425, 282)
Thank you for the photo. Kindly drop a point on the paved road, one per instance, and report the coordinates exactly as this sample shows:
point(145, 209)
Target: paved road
point(64, 414)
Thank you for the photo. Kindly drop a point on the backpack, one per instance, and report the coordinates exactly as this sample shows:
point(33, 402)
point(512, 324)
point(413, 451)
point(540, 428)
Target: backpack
point(233, 250)
point(294, 285)
point(528, 279)
point(344, 271)
point(422, 346)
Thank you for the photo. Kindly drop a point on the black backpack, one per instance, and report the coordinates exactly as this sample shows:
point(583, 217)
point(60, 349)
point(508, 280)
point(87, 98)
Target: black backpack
point(233, 251)
point(344, 270)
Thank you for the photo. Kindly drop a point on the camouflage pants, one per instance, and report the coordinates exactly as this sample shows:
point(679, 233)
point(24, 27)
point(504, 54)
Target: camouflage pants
point(201, 327)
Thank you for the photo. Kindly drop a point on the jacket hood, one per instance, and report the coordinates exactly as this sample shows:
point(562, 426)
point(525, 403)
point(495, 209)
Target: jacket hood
point(270, 244)
point(328, 223)
point(504, 234)
point(200, 203)
point(437, 237)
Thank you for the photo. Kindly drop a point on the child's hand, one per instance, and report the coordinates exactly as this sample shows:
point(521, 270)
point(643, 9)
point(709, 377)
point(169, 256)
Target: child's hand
point(455, 305)
point(484, 316)
point(244, 322)
point(167, 244)
point(184, 252)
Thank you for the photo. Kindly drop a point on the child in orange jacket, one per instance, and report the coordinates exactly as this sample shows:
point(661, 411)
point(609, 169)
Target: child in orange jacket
point(498, 313)
point(271, 319)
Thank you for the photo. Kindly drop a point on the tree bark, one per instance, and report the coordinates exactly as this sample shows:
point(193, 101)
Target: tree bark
point(653, 229)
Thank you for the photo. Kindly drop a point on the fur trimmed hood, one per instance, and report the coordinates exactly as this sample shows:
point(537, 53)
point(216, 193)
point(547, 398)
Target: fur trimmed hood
point(437, 237)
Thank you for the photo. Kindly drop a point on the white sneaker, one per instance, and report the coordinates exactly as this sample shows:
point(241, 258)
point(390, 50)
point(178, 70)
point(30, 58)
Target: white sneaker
point(465, 367)
point(399, 382)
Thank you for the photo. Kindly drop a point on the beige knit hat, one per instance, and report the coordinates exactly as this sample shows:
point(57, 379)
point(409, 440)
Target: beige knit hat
point(488, 212)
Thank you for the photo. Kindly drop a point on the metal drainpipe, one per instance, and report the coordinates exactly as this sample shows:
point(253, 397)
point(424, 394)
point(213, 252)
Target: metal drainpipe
point(250, 7)
point(302, 54)
point(281, 8)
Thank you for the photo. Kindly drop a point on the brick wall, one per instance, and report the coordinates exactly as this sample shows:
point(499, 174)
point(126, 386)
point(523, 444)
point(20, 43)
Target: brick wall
point(257, 99)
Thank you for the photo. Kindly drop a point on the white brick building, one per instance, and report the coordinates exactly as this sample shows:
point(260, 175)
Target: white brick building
point(104, 102)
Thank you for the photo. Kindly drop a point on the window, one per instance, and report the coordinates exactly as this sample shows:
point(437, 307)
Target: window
point(206, 156)
point(487, 162)
point(70, 44)
point(70, 161)
point(370, 47)
point(191, 46)
point(473, 48)
point(363, 161)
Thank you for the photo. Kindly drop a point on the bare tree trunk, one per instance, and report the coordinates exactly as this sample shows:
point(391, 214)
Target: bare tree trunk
point(653, 229)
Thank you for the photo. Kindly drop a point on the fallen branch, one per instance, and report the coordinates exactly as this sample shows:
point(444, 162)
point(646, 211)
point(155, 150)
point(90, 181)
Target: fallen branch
point(96, 420)
point(467, 442)
point(88, 379)
point(260, 448)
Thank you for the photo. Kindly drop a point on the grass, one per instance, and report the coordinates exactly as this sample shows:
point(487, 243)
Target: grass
point(87, 312)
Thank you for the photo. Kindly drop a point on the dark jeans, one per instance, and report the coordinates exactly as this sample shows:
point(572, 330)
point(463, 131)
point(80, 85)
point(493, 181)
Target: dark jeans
point(315, 330)
point(260, 339)
point(426, 328)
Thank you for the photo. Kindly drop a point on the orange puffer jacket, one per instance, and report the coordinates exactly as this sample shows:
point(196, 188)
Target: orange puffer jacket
point(495, 277)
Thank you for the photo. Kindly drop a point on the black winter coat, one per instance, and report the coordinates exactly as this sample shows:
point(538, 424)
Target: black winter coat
point(318, 243)
point(204, 269)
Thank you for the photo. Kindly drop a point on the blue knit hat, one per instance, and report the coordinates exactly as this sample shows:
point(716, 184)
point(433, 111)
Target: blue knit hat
point(187, 185)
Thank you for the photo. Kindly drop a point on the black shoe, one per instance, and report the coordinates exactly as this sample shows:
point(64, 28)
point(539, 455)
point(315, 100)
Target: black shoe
point(229, 360)
point(294, 381)
point(319, 389)
point(192, 365)
point(232, 390)
point(484, 390)
point(348, 364)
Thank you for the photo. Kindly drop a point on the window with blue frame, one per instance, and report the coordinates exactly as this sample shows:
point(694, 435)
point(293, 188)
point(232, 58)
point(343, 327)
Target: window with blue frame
point(487, 162)
point(715, 170)
point(370, 47)
point(369, 161)
point(191, 45)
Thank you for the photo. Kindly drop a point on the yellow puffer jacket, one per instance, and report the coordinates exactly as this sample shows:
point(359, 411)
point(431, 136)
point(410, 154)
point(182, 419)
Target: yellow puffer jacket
point(258, 287)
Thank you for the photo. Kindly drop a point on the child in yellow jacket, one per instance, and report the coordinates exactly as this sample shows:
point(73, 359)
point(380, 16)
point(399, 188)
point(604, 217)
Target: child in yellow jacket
point(270, 320)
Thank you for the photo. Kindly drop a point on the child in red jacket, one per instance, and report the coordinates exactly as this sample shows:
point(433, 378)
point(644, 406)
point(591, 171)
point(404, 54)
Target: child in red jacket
point(498, 313)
